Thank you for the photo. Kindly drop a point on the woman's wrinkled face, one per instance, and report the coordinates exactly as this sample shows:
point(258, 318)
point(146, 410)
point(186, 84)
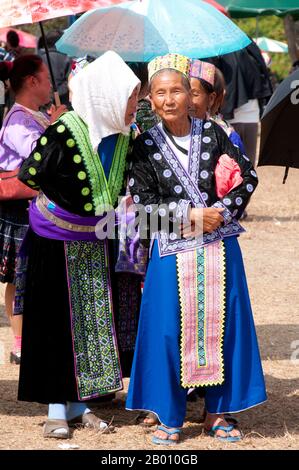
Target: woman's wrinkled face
point(132, 106)
point(201, 100)
point(169, 96)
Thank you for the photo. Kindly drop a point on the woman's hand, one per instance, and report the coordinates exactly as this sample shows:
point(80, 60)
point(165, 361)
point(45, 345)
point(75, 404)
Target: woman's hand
point(202, 221)
point(56, 111)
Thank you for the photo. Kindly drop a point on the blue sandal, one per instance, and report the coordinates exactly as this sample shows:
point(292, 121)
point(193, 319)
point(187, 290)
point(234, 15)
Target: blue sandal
point(230, 419)
point(167, 442)
point(212, 432)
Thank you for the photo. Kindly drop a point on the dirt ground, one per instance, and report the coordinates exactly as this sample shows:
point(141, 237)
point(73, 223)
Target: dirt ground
point(270, 249)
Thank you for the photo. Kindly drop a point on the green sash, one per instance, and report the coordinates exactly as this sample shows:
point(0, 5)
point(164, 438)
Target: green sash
point(104, 193)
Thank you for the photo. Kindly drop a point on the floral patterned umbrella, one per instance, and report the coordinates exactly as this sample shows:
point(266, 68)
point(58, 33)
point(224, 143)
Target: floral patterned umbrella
point(15, 12)
point(26, 39)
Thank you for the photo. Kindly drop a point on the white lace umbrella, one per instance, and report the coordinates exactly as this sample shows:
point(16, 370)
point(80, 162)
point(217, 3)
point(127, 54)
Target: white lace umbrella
point(140, 30)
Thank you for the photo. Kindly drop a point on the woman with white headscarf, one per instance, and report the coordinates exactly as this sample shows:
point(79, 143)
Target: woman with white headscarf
point(69, 350)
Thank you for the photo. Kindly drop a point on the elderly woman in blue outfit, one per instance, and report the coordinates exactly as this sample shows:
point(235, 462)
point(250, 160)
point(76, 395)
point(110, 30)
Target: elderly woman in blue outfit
point(195, 304)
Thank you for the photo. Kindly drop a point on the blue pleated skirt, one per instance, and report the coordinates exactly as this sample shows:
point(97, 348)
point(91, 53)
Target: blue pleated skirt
point(155, 376)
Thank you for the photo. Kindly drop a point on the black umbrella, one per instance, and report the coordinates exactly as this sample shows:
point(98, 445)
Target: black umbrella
point(54, 86)
point(246, 78)
point(280, 133)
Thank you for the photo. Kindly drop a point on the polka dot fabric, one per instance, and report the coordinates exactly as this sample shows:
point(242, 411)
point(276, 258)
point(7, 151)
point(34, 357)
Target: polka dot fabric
point(154, 181)
point(57, 168)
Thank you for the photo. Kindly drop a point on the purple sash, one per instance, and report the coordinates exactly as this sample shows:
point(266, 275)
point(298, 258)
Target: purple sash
point(48, 220)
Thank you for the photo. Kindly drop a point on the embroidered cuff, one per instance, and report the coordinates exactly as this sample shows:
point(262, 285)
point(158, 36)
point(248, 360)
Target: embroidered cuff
point(226, 214)
point(183, 209)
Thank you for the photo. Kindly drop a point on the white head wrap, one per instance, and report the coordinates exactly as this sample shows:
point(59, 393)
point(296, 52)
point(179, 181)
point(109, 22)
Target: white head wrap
point(100, 94)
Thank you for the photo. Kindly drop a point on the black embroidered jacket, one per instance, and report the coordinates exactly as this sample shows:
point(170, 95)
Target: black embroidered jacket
point(157, 177)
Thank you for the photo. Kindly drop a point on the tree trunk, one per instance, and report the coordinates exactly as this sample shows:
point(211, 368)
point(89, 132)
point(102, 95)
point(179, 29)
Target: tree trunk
point(289, 26)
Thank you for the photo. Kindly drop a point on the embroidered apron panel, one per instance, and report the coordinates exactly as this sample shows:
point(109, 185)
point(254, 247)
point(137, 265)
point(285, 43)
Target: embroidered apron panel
point(201, 279)
point(97, 365)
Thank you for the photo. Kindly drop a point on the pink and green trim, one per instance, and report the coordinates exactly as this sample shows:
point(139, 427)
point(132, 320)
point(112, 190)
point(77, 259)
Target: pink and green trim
point(201, 279)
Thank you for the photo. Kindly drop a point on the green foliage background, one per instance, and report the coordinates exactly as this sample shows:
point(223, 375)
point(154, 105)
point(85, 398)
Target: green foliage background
point(270, 26)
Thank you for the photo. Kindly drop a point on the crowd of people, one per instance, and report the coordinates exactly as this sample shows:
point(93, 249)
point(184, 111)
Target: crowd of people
point(152, 150)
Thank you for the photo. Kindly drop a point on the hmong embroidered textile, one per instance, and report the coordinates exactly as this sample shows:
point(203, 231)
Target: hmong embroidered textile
point(167, 246)
point(116, 175)
point(97, 366)
point(129, 293)
point(203, 70)
point(189, 180)
point(201, 279)
point(177, 62)
point(103, 193)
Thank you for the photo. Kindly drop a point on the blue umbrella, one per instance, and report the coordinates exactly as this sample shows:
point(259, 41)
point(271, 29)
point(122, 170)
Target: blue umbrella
point(141, 30)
